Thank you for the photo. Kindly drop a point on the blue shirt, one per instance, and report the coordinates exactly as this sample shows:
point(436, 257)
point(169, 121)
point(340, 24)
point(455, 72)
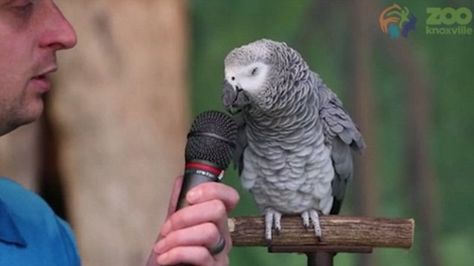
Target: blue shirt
point(30, 233)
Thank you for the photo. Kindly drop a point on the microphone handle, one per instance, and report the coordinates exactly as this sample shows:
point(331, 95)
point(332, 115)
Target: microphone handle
point(194, 175)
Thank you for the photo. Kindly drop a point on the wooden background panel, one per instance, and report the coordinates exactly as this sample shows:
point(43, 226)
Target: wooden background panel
point(119, 108)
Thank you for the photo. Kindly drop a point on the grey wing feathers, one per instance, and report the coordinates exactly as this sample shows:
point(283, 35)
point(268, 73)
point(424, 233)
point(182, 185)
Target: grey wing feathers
point(341, 134)
point(241, 142)
point(342, 161)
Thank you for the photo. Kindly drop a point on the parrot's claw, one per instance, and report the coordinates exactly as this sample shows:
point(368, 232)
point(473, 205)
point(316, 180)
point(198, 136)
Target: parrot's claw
point(313, 217)
point(272, 221)
point(305, 216)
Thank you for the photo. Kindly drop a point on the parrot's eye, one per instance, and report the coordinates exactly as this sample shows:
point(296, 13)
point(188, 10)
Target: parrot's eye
point(254, 71)
point(232, 78)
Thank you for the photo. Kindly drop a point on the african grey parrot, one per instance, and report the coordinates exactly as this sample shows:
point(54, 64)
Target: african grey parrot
point(295, 138)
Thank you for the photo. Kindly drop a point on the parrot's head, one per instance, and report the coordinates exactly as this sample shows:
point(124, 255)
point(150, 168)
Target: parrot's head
point(254, 73)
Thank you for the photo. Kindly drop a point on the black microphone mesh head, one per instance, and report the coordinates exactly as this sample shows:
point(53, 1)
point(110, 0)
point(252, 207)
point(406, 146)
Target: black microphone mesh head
point(212, 138)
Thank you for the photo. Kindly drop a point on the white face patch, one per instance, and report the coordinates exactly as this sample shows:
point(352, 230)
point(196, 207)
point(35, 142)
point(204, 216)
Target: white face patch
point(250, 78)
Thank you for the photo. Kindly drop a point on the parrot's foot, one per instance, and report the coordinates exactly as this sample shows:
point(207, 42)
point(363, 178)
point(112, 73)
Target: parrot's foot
point(272, 221)
point(313, 217)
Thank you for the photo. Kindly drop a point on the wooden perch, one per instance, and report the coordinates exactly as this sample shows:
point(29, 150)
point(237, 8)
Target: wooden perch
point(339, 234)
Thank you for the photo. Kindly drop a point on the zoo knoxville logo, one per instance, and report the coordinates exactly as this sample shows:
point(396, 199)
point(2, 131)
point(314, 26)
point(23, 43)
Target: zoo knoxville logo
point(448, 21)
point(395, 21)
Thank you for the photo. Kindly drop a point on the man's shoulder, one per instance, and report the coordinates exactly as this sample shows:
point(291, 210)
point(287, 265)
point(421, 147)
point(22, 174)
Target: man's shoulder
point(21, 201)
point(27, 209)
point(38, 226)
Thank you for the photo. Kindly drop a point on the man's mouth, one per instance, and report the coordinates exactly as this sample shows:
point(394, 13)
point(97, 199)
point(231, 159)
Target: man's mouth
point(40, 77)
point(47, 71)
point(42, 82)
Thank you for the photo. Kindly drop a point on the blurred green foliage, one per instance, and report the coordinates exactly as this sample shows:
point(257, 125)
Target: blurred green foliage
point(323, 37)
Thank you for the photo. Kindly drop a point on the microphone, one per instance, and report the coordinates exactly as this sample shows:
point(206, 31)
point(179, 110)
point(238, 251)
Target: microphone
point(209, 150)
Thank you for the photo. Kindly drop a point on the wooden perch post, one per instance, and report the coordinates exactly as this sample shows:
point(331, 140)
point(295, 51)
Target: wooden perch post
point(339, 234)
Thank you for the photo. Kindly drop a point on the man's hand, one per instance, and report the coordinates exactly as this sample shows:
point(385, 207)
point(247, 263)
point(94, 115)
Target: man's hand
point(193, 233)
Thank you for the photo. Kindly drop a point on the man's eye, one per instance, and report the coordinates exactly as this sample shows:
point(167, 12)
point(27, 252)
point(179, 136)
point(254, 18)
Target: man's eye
point(24, 8)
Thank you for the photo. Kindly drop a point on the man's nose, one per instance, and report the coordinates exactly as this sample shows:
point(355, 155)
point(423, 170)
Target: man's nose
point(58, 32)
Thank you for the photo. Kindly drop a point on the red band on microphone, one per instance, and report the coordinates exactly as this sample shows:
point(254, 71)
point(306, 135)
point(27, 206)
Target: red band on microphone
point(204, 167)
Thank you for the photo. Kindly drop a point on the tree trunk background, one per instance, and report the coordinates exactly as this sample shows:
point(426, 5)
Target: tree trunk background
point(420, 179)
point(365, 181)
point(119, 110)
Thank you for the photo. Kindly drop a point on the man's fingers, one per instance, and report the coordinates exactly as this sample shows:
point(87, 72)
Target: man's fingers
point(206, 234)
point(209, 191)
point(189, 255)
point(209, 211)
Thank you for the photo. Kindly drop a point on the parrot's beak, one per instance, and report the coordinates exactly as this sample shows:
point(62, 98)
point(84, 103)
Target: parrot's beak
point(234, 99)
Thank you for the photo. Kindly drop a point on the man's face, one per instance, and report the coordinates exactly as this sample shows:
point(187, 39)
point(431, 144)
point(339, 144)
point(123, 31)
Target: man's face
point(31, 31)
